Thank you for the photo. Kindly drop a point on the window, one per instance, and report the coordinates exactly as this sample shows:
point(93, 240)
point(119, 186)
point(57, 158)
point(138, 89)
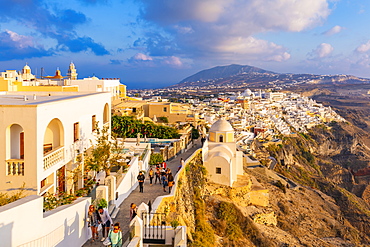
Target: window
point(221, 138)
point(134, 109)
point(165, 109)
point(218, 170)
point(93, 122)
point(43, 183)
point(76, 132)
point(21, 145)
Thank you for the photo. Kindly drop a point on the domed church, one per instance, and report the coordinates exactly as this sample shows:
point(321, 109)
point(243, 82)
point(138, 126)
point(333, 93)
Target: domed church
point(223, 162)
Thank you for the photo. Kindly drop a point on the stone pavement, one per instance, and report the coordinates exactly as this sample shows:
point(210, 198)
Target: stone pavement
point(150, 194)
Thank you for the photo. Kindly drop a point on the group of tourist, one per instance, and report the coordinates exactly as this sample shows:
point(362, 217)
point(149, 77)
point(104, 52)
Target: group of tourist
point(101, 217)
point(162, 174)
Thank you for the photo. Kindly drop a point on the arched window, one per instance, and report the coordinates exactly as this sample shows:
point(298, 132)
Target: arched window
point(16, 142)
point(54, 135)
point(106, 114)
point(221, 138)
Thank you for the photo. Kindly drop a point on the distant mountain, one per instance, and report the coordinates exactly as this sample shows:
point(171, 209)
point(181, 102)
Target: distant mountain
point(244, 75)
point(223, 72)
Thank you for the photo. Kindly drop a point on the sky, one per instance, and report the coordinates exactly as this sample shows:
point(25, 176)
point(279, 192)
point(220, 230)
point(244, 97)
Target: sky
point(156, 43)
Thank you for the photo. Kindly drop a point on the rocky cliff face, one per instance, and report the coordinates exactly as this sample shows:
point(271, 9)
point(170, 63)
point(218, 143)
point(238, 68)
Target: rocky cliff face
point(312, 204)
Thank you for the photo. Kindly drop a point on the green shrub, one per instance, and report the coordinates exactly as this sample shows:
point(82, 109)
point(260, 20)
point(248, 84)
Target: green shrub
point(103, 203)
point(5, 198)
point(155, 158)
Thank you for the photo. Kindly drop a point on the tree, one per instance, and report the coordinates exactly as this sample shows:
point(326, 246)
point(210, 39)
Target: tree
point(105, 153)
point(128, 127)
point(155, 158)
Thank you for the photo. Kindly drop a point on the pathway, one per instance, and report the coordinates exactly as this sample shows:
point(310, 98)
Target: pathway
point(150, 194)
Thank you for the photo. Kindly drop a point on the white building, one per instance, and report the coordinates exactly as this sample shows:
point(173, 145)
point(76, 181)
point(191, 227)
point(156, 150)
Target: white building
point(223, 162)
point(40, 136)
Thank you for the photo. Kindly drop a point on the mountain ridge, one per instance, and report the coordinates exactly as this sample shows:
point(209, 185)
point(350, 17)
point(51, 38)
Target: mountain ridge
point(238, 75)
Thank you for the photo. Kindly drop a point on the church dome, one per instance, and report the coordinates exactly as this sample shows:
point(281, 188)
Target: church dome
point(26, 67)
point(221, 125)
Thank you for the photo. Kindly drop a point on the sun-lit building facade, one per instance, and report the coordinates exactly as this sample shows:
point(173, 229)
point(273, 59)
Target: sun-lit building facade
point(25, 81)
point(42, 134)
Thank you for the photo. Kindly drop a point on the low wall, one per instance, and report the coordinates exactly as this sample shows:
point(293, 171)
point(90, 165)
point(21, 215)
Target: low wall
point(161, 202)
point(23, 223)
point(129, 181)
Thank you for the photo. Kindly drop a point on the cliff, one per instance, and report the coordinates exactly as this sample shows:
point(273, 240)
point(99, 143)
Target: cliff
point(312, 199)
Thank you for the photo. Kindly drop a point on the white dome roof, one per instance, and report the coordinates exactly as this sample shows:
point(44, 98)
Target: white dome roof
point(221, 125)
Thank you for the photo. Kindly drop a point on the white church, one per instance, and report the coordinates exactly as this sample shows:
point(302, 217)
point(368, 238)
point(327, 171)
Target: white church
point(223, 162)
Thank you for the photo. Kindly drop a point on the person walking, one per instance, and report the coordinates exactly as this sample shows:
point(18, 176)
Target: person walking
point(151, 176)
point(115, 236)
point(105, 220)
point(141, 179)
point(164, 165)
point(182, 162)
point(164, 181)
point(93, 219)
point(171, 181)
point(157, 176)
point(133, 211)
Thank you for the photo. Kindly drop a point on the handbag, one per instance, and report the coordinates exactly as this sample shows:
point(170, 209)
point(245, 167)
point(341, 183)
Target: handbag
point(107, 241)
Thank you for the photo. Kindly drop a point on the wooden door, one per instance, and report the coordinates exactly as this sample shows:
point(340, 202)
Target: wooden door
point(21, 145)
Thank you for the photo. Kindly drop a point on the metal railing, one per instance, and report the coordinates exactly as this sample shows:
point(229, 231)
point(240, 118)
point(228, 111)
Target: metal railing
point(154, 225)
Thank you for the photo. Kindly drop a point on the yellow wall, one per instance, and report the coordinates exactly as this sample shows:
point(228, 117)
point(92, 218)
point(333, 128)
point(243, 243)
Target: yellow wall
point(47, 88)
point(3, 84)
point(122, 89)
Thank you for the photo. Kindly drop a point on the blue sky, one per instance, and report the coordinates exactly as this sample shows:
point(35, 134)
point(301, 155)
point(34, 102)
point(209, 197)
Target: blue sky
point(154, 43)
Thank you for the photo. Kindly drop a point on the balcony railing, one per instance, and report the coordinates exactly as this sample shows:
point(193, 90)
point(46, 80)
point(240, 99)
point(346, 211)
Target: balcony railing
point(53, 157)
point(15, 167)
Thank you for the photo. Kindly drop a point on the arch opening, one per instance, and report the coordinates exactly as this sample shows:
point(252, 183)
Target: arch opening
point(54, 135)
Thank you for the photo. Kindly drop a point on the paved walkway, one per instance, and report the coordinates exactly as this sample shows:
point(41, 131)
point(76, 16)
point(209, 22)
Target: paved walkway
point(150, 194)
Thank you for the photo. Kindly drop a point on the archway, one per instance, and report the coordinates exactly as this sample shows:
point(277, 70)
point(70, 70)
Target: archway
point(15, 142)
point(106, 113)
point(54, 135)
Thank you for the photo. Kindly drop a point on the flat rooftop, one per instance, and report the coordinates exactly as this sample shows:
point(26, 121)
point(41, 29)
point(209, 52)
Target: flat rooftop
point(37, 98)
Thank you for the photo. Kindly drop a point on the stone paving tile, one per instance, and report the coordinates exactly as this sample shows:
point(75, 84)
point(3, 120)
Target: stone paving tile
point(150, 194)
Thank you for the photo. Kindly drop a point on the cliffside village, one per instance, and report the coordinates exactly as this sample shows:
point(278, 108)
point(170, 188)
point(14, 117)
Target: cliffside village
point(47, 122)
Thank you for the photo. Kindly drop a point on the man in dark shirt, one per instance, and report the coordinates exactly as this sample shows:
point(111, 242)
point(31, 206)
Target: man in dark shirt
point(141, 179)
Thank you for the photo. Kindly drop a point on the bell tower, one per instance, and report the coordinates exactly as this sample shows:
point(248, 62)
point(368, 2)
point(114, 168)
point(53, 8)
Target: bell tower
point(72, 72)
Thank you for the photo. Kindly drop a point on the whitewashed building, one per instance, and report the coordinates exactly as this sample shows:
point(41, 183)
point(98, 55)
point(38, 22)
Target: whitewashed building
point(41, 135)
point(223, 162)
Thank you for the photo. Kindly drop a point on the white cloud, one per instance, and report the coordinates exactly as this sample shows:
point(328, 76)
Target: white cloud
point(334, 30)
point(21, 40)
point(363, 47)
point(173, 61)
point(321, 51)
point(226, 28)
point(141, 57)
point(252, 48)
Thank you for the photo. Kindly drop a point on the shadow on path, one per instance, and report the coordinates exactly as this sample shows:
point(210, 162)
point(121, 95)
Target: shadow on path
point(150, 193)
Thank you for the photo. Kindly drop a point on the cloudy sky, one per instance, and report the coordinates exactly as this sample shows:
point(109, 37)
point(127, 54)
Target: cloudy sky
point(154, 43)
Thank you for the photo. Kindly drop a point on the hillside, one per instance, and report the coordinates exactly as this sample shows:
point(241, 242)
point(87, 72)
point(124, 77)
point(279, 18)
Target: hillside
point(220, 72)
point(315, 201)
point(239, 76)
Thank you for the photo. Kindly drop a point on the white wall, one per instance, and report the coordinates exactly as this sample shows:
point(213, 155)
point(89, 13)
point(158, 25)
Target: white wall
point(23, 223)
point(129, 181)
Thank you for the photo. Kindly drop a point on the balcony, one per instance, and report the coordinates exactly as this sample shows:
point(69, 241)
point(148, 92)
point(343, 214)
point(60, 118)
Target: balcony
point(15, 167)
point(53, 157)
